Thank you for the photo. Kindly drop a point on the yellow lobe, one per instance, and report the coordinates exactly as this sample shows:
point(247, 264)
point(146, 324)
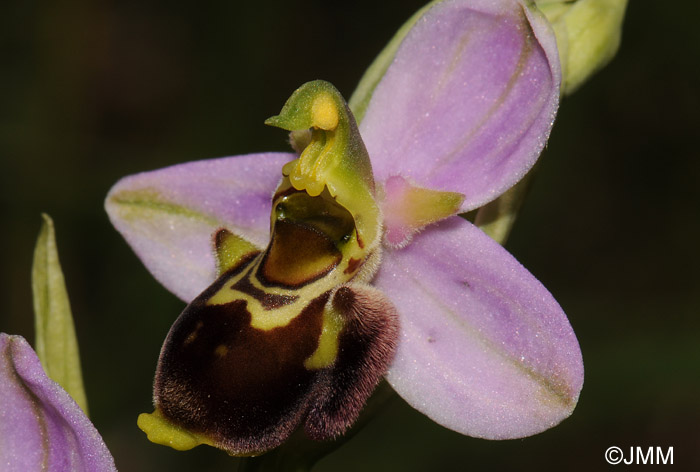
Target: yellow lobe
point(324, 112)
point(161, 431)
point(231, 249)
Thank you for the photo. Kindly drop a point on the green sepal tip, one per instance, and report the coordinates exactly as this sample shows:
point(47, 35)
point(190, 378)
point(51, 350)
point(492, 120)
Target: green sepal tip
point(56, 343)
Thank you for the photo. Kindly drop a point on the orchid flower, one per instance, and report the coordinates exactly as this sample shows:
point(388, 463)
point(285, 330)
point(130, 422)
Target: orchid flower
point(303, 293)
point(41, 426)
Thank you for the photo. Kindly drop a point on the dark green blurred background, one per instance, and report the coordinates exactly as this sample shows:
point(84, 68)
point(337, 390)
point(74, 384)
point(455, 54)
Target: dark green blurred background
point(94, 90)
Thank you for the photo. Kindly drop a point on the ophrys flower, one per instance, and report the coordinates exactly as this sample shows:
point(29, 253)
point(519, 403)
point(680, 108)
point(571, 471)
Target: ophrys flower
point(456, 115)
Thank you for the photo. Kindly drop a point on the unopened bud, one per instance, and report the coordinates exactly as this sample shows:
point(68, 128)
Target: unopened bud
point(588, 35)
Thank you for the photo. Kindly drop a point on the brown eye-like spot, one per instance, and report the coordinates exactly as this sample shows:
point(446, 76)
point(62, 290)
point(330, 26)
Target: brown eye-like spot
point(297, 255)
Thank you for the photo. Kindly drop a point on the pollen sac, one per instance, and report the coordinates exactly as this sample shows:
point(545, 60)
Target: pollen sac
point(288, 336)
point(335, 158)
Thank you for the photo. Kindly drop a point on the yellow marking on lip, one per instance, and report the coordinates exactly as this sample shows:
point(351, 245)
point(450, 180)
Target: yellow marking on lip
point(264, 318)
point(221, 350)
point(269, 319)
point(260, 317)
point(327, 351)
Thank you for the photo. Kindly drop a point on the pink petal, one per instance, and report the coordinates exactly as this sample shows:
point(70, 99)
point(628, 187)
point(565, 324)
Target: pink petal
point(168, 215)
point(484, 350)
point(41, 426)
point(468, 103)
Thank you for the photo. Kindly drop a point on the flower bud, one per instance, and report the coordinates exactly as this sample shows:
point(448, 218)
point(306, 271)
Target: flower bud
point(588, 35)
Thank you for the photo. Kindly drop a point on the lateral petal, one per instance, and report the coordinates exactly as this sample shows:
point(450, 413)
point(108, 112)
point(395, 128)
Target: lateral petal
point(468, 102)
point(484, 349)
point(168, 216)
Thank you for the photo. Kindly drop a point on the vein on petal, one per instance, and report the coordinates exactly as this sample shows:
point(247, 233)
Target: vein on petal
point(555, 389)
point(454, 62)
point(525, 54)
point(149, 199)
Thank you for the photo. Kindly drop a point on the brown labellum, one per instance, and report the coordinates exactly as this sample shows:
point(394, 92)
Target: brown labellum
point(247, 389)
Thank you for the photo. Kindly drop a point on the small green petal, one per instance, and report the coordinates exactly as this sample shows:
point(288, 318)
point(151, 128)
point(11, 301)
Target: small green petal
point(409, 208)
point(56, 343)
point(588, 35)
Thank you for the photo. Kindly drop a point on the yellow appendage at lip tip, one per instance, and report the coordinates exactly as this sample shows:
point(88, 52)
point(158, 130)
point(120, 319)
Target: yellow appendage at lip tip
point(161, 431)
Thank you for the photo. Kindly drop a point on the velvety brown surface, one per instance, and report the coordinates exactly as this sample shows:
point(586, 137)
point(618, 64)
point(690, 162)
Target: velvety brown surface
point(245, 387)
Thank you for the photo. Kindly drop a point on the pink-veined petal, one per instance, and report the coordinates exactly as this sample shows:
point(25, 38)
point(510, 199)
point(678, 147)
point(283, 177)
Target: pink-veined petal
point(485, 349)
point(41, 426)
point(469, 100)
point(168, 215)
